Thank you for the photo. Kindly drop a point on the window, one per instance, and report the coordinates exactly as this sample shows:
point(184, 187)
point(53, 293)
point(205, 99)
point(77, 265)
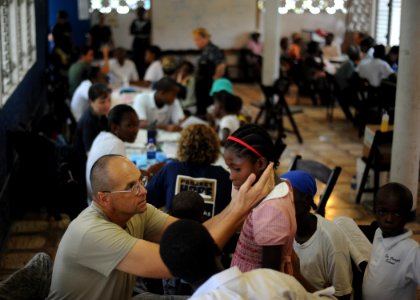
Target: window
point(17, 43)
point(388, 19)
point(394, 33)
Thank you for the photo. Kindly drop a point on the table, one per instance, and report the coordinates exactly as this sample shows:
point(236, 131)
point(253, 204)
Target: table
point(167, 142)
point(127, 96)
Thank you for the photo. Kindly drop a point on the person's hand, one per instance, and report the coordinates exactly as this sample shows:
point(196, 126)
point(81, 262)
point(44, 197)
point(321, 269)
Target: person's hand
point(153, 169)
point(250, 195)
point(211, 120)
point(180, 78)
point(295, 262)
point(173, 128)
point(105, 52)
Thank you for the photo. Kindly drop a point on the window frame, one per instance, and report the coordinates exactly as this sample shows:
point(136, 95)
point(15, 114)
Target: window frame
point(393, 22)
point(17, 44)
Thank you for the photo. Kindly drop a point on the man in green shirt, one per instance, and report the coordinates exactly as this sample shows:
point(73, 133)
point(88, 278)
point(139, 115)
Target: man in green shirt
point(115, 239)
point(79, 70)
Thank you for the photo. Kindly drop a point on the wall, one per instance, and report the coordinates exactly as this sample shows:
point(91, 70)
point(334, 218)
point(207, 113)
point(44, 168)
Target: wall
point(229, 22)
point(175, 33)
point(120, 25)
point(24, 106)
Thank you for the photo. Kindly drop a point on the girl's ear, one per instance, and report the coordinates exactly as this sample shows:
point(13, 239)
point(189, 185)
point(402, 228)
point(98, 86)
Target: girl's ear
point(262, 163)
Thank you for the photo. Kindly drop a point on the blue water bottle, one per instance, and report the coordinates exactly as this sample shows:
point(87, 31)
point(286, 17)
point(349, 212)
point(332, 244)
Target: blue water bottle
point(151, 152)
point(152, 132)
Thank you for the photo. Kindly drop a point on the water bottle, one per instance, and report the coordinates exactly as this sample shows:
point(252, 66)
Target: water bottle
point(353, 183)
point(384, 121)
point(353, 188)
point(151, 152)
point(152, 132)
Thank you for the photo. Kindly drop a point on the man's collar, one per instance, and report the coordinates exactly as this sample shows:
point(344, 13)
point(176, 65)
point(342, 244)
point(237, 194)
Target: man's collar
point(99, 210)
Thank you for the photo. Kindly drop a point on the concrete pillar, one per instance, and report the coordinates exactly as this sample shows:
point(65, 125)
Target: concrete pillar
point(406, 140)
point(271, 39)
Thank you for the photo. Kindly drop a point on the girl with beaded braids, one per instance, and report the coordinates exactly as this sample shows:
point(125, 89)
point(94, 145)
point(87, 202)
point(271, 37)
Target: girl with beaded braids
point(266, 239)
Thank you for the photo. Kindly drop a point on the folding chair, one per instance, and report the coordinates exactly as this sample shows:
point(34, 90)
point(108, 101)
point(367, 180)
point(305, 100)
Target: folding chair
point(322, 173)
point(32, 281)
point(378, 159)
point(369, 110)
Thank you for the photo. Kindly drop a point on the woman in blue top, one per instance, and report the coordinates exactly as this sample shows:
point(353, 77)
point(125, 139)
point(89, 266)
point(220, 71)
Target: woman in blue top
point(198, 149)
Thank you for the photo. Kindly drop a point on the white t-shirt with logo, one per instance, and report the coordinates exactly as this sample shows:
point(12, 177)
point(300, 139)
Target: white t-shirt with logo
point(393, 271)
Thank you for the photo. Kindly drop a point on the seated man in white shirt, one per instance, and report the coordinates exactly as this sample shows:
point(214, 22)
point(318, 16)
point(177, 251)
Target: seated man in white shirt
point(122, 70)
point(154, 71)
point(80, 100)
point(331, 49)
point(190, 253)
point(160, 106)
point(377, 69)
point(122, 128)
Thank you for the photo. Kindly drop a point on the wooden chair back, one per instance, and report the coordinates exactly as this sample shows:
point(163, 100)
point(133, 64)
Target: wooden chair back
point(322, 173)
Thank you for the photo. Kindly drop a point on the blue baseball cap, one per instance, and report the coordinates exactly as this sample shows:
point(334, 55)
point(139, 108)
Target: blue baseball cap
point(221, 84)
point(302, 181)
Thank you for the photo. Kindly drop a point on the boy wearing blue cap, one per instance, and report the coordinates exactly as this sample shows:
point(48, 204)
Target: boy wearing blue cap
point(319, 244)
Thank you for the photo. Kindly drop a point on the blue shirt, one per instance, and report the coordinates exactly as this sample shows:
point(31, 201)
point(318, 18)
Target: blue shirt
point(212, 182)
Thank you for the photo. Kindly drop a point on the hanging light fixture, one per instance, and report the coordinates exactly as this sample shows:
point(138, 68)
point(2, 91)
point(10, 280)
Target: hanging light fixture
point(311, 6)
point(120, 6)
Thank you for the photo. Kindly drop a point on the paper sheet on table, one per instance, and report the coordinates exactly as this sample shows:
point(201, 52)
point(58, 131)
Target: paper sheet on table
point(193, 120)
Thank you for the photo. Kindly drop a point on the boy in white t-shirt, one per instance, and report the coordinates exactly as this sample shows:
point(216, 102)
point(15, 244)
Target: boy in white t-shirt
point(160, 106)
point(122, 70)
point(393, 271)
point(226, 109)
point(154, 71)
point(320, 245)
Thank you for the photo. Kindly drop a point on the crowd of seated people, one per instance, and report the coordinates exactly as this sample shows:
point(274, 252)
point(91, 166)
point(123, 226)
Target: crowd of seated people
point(303, 63)
point(363, 80)
point(171, 85)
point(116, 237)
point(130, 238)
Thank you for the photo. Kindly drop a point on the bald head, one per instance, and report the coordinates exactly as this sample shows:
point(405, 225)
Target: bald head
point(104, 174)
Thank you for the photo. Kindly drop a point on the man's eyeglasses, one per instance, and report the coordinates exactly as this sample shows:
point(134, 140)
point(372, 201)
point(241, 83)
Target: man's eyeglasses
point(135, 189)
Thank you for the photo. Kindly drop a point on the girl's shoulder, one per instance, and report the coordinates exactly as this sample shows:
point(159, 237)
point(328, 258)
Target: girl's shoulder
point(281, 190)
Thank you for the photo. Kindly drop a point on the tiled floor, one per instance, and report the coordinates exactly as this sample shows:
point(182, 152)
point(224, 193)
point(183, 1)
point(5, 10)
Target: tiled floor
point(333, 143)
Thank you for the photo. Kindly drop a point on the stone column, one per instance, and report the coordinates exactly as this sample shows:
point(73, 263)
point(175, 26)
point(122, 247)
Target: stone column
point(271, 38)
point(406, 140)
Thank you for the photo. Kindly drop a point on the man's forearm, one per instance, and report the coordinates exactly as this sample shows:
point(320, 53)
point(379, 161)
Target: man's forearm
point(220, 71)
point(224, 225)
